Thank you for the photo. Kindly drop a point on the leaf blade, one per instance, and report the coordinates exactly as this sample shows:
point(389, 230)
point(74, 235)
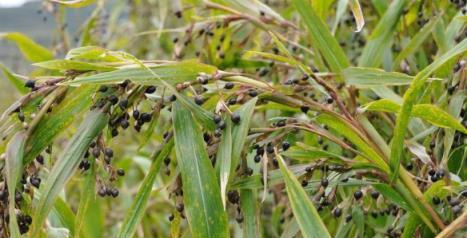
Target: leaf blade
point(202, 198)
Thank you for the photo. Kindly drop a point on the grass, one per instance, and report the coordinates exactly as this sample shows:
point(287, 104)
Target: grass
point(293, 118)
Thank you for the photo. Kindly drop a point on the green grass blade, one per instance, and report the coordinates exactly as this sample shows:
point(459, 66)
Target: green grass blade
point(370, 77)
point(224, 155)
point(138, 206)
point(14, 168)
point(410, 98)
point(18, 83)
point(343, 128)
point(307, 217)
point(173, 73)
point(417, 40)
point(249, 205)
point(74, 3)
point(202, 198)
point(240, 131)
point(52, 124)
point(88, 193)
point(64, 216)
point(428, 112)
point(322, 37)
point(30, 49)
point(73, 65)
point(63, 169)
point(391, 194)
point(381, 37)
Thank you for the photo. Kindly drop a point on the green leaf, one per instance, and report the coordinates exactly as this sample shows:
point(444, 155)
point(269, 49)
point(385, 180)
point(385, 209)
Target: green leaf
point(308, 154)
point(391, 194)
point(14, 168)
point(52, 124)
point(88, 193)
point(64, 215)
point(381, 37)
point(416, 41)
point(73, 65)
point(249, 205)
point(307, 217)
point(30, 49)
point(369, 77)
point(202, 198)
point(322, 37)
point(240, 131)
point(18, 83)
point(410, 98)
point(345, 129)
point(63, 169)
point(224, 155)
point(139, 204)
point(201, 114)
point(428, 112)
point(173, 73)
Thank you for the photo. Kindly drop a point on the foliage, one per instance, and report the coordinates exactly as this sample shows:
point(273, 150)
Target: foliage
point(187, 118)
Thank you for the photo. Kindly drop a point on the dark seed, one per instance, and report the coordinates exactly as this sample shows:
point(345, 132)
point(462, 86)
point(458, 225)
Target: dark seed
point(124, 123)
point(304, 183)
point(436, 200)
point(285, 145)
point(114, 192)
point(304, 109)
point(409, 166)
point(232, 101)
point(337, 212)
point(324, 182)
point(30, 84)
point(21, 116)
point(233, 196)
point(329, 100)
point(229, 85)
point(146, 117)
point(257, 158)
point(252, 93)
point(123, 104)
point(218, 133)
point(102, 192)
point(113, 99)
point(221, 125)
point(109, 152)
point(180, 207)
point(280, 123)
point(358, 194)
point(235, 118)
point(217, 118)
point(150, 89)
point(457, 209)
point(136, 114)
point(173, 98)
point(348, 218)
point(431, 172)
point(171, 217)
point(40, 159)
point(199, 100)
point(374, 194)
point(114, 132)
point(121, 172)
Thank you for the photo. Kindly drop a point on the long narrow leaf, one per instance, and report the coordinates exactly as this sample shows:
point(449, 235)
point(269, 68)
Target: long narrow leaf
point(202, 198)
point(410, 98)
point(307, 217)
point(66, 165)
point(14, 168)
point(136, 211)
point(322, 37)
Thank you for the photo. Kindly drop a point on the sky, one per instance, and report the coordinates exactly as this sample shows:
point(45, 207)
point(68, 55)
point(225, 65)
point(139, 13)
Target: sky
point(13, 3)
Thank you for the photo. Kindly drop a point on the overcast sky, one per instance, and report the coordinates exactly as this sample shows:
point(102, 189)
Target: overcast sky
point(14, 3)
